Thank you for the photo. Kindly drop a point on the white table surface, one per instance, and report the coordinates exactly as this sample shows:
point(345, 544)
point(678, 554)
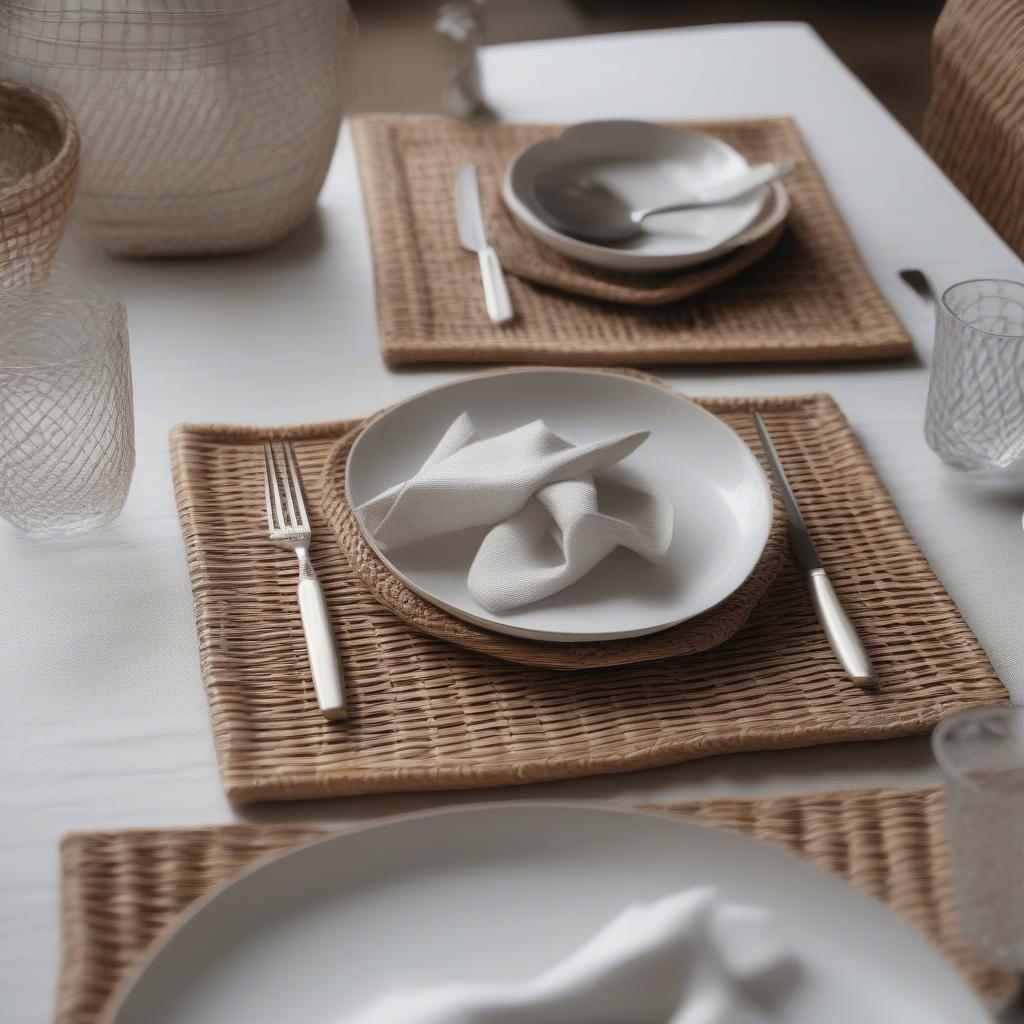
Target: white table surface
point(105, 723)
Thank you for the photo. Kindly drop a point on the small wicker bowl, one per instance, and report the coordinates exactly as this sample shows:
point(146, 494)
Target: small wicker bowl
point(39, 156)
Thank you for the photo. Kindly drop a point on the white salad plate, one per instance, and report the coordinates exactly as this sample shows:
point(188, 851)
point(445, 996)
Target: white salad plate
point(647, 165)
point(500, 893)
point(721, 499)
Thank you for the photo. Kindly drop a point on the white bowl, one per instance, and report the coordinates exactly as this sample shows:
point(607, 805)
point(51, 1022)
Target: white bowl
point(722, 501)
point(646, 164)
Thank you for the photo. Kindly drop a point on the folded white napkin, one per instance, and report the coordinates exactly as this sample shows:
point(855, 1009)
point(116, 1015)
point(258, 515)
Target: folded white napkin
point(691, 958)
point(542, 497)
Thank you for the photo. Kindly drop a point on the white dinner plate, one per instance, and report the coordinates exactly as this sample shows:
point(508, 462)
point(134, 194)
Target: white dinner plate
point(499, 893)
point(721, 498)
point(646, 164)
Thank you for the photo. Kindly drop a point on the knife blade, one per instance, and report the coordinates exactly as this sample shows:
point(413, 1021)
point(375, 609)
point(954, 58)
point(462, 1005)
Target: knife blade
point(473, 237)
point(840, 631)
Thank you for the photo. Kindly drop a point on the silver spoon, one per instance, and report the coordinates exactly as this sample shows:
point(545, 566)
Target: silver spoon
point(589, 210)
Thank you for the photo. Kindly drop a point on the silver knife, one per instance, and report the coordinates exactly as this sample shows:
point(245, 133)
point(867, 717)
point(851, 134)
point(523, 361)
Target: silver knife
point(470, 219)
point(833, 618)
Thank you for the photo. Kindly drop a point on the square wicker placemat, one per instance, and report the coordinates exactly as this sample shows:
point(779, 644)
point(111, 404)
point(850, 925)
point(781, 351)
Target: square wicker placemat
point(809, 299)
point(427, 715)
point(121, 889)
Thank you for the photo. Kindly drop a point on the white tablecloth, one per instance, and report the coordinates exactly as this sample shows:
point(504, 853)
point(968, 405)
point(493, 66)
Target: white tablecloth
point(105, 723)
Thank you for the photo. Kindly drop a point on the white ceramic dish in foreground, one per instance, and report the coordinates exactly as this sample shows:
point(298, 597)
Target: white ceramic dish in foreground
point(499, 893)
point(646, 164)
point(722, 500)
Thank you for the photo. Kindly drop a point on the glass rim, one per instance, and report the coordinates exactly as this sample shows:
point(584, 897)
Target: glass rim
point(951, 771)
point(960, 320)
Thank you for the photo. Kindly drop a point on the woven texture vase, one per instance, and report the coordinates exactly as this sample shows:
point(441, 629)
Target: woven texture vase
point(38, 167)
point(206, 126)
point(974, 128)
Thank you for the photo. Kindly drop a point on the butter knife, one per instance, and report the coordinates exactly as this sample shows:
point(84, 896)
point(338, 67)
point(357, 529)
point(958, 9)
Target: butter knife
point(842, 636)
point(473, 237)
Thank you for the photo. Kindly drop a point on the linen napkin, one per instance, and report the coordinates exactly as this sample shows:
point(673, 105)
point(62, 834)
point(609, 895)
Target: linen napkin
point(542, 495)
point(690, 958)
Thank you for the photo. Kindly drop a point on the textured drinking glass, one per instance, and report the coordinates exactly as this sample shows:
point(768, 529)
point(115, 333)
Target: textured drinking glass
point(975, 416)
point(981, 754)
point(67, 446)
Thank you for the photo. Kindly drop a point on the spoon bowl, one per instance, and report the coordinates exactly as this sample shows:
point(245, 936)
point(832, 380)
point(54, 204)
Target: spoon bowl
point(585, 208)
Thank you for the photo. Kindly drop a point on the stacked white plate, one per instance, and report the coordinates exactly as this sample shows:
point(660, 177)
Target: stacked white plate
point(646, 165)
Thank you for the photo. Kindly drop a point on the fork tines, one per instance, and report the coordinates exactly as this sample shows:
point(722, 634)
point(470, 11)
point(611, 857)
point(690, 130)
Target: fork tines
point(282, 475)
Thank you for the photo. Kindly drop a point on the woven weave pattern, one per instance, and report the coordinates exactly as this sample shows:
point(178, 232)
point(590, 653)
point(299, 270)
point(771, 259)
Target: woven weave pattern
point(974, 127)
point(121, 889)
point(809, 299)
point(206, 127)
point(425, 714)
point(39, 152)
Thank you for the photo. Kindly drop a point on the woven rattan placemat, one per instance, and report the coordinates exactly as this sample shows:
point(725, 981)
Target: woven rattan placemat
point(120, 890)
point(809, 299)
point(425, 714)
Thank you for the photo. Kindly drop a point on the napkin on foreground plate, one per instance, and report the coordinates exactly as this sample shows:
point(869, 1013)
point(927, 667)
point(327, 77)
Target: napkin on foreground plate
point(691, 958)
point(541, 494)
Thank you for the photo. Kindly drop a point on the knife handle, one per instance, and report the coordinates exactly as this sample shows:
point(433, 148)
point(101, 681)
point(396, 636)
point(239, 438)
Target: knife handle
point(839, 629)
point(499, 305)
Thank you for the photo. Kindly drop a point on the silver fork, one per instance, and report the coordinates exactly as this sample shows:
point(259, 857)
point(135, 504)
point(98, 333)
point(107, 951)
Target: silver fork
point(292, 532)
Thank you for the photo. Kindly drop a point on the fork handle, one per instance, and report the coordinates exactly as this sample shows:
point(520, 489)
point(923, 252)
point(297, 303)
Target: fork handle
point(323, 655)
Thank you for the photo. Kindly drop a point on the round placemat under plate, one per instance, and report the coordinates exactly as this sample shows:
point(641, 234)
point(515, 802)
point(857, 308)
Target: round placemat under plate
point(526, 257)
point(691, 637)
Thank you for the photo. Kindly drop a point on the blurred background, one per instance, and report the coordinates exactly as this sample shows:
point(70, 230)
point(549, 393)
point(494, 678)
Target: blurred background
point(884, 42)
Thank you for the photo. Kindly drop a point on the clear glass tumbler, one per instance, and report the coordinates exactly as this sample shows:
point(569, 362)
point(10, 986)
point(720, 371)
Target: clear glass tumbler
point(981, 754)
point(459, 26)
point(975, 416)
point(67, 447)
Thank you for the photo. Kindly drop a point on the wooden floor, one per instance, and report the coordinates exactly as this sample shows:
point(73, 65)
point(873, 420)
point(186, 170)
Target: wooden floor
point(885, 42)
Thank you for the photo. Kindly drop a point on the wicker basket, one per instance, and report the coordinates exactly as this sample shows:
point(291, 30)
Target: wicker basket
point(206, 127)
point(39, 153)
